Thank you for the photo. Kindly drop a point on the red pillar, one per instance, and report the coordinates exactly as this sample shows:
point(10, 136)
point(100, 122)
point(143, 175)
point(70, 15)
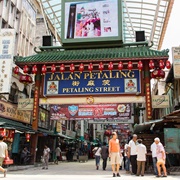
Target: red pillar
point(147, 89)
point(34, 139)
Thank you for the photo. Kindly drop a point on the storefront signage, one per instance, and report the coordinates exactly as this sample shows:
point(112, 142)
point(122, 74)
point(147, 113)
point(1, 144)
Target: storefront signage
point(10, 111)
point(96, 112)
point(176, 61)
point(107, 82)
point(7, 43)
point(160, 101)
point(25, 104)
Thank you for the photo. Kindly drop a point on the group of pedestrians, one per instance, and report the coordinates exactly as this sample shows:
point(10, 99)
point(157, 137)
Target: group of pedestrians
point(135, 153)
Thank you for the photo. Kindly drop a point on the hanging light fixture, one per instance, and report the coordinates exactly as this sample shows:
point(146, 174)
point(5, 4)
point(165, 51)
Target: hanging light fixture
point(34, 69)
point(90, 67)
point(168, 64)
point(81, 67)
point(72, 68)
point(28, 137)
point(110, 66)
point(120, 66)
point(140, 65)
point(44, 69)
point(62, 68)
point(158, 74)
point(16, 70)
point(25, 69)
point(161, 64)
point(101, 67)
point(151, 64)
point(130, 65)
point(53, 69)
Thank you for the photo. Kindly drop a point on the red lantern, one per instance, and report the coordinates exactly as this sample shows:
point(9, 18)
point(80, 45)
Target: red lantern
point(110, 66)
point(25, 69)
point(25, 79)
point(34, 69)
point(72, 68)
point(53, 69)
point(158, 74)
point(168, 64)
point(140, 65)
point(28, 137)
point(151, 64)
point(16, 70)
point(62, 68)
point(3, 132)
point(120, 66)
point(161, 64)
point(130, 65)
point(101, 67)
point(90, 67)
point(44, 69)
point(81, 67)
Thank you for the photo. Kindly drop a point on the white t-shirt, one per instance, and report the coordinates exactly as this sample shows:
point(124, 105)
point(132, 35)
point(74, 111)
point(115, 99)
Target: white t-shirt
point(98, 151)
point(125, 149)
point(3, 148)
point(153, 149)
point(141, 152)
point(133, 146)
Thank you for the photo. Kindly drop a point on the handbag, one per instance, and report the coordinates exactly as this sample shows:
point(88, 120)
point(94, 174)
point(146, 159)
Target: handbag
point(8, 161)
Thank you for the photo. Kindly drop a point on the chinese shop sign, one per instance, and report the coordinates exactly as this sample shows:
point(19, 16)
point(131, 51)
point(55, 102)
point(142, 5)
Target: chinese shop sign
point(96, 112)
point(107, 82)
point(7, 42)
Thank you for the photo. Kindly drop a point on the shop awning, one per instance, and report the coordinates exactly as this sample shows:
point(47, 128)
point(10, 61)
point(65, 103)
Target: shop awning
point(143, 127)
point(46, 131)
point(11, 124)
point(64, 136)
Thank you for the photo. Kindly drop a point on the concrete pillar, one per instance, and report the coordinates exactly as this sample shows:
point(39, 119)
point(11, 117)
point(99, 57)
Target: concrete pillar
point(94, 132)
point(82, 130)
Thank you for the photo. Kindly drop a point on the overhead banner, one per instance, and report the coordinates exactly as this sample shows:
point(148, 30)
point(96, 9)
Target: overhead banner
point(96, 112)
point(176, 61)
point(7, 43)
point(160, 101)
point(106, 82)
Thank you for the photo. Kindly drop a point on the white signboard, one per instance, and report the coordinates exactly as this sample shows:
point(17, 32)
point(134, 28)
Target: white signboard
point(25, 104)
point(160, 101)
point(7, 42)
point(176, 61)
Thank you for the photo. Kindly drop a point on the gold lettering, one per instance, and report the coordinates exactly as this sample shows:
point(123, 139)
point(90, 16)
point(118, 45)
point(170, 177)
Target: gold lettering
point(92, 75)
point(123, 74)
point(56, 77)
point(105, 76)
point(130, 74)
point(99, 75)
point(111, 76)
point(86, 75)
point(78, 76)
point(69, 77)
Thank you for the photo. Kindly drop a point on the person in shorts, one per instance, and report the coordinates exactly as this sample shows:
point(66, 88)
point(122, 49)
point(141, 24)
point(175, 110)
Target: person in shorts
point(114, 154)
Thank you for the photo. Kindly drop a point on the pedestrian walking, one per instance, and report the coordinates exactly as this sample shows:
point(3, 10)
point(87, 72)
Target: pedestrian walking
point(127, 159)
point(141, 157)
point(154, 157)
point(97, 153)
point(46, 155)
point(58, 154)
point(161, 158)
point(3, 154)
point(132, 154)
point(104, 155)
point(114, 154)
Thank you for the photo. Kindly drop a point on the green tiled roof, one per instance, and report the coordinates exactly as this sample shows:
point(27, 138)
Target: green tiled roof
point(57, 55)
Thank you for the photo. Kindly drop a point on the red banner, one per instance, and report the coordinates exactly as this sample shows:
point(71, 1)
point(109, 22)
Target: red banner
point(114, 111)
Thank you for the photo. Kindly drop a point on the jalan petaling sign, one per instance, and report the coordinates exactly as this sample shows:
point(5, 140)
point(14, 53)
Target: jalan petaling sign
point(106, 82)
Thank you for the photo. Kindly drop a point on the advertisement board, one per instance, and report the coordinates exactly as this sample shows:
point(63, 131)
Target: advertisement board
point(25, 104)
point(161, 101)
point(85, 83)
point(86, 20)
point(97, 112)
point(7, 43)
point(176, 61)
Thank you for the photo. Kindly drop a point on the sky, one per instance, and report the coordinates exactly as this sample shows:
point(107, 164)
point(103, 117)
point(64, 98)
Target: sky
point(172, 36)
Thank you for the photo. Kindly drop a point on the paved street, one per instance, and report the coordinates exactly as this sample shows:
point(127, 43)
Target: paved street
point(74, 170)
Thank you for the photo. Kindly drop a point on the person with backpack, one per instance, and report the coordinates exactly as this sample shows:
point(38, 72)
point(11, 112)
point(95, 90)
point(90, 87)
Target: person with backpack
point(97, 153)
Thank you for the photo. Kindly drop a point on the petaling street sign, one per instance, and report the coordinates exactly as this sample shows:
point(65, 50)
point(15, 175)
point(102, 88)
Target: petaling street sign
point(106, 82)
point(115, 112)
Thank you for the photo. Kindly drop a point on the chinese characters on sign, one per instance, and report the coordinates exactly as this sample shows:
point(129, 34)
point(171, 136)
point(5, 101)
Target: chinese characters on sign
point(7, 38)
point(107, 82)
point(176, 61)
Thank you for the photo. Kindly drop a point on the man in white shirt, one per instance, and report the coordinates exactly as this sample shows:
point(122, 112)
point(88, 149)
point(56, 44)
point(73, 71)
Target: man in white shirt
point(141, 157)
point(154, 156)
point(3, 154)
point(132, 154)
